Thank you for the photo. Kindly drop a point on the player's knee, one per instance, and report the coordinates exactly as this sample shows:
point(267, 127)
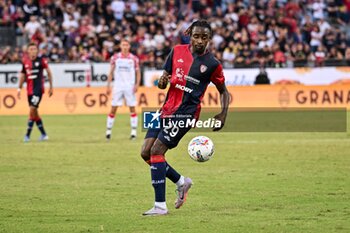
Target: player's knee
point(32, 114)
point(155, 150)
point(145, 154)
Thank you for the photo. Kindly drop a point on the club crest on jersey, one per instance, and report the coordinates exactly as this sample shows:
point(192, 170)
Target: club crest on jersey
point(36, 64)
point(203, 68)
point(179, 73)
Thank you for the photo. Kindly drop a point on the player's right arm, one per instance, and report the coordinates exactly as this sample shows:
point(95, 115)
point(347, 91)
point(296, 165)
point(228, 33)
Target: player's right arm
point(163, 80)
point(110, 77)
point(21, 81)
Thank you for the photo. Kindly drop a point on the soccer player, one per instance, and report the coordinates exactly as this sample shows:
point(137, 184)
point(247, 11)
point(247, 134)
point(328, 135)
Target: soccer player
point(189, 68)
point(126, 72)
point(32, 73)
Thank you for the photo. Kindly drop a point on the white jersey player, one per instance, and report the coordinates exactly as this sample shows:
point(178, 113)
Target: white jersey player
point(126, 72)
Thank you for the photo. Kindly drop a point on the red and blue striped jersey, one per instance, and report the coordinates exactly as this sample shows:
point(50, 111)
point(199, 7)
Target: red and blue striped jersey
point(34, 74)
point(190, 76)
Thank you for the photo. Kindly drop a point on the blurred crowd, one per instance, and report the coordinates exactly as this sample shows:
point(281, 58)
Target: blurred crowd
point(274, 33)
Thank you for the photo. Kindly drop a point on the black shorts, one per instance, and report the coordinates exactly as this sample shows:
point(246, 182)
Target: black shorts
point(170, 135)
point(34, 100)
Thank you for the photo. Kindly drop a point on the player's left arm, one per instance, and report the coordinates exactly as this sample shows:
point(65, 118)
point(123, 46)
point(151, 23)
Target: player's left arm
point(225, 101)
point(21, 81)
point(45, 65)
point(138, 75)
point(49, 75)
point(219, 80)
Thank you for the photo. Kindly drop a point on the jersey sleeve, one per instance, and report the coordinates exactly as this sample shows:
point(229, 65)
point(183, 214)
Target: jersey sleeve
point(113, 58)
point(218, 76)
point(168, 65)
point(44, 63)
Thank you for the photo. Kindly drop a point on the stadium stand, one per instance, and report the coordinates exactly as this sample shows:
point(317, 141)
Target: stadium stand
point(247, 33)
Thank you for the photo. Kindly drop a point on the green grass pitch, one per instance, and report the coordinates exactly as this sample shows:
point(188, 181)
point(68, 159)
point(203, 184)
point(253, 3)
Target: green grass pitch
point(256, 182)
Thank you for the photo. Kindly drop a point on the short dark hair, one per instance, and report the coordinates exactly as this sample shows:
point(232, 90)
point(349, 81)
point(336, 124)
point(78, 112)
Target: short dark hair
point(32, 44)
point(199, 23)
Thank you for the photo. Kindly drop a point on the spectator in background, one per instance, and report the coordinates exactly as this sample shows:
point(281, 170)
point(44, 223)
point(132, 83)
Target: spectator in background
point(54, 56)
point(16, 56)
point(95, 56)
point(318, 8)
point(73, 54)
point(265, 56)
point(244, 56)
point(148, 43)
point(262, 77)
point(19, 27)
point(118, 8)
point(344, 11)
point(279, 58)
point(30, 8)
point(72, 38)
point(70, 10)
point(159, 37)
point(5, 55)
point(38, 37)
point(102, 30)
point(228, 56)
point(329, 39)
point(298, 54)
point(32, 26)
point(86, 27)
point(335, 54)
point(323, 26)
point(7, 11)
point(70, 23)
point(347, 56)
point(307, 51)
point(306, 28)
point(332, 11)
point(316, 38)
point(320, 56)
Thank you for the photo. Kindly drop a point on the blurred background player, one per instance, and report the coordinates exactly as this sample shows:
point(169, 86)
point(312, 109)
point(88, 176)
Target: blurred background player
point(127, 76)
point(33, 74)
point(189, 68)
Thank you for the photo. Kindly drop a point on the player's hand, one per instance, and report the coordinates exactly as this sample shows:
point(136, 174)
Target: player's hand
point(19, 93)
point(108, 91)
point(50, 92)
point(222, 118)
point(163, 81)
point(135, 88)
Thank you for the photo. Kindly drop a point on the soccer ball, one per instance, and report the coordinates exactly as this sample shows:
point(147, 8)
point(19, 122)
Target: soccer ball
point(201, 148)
